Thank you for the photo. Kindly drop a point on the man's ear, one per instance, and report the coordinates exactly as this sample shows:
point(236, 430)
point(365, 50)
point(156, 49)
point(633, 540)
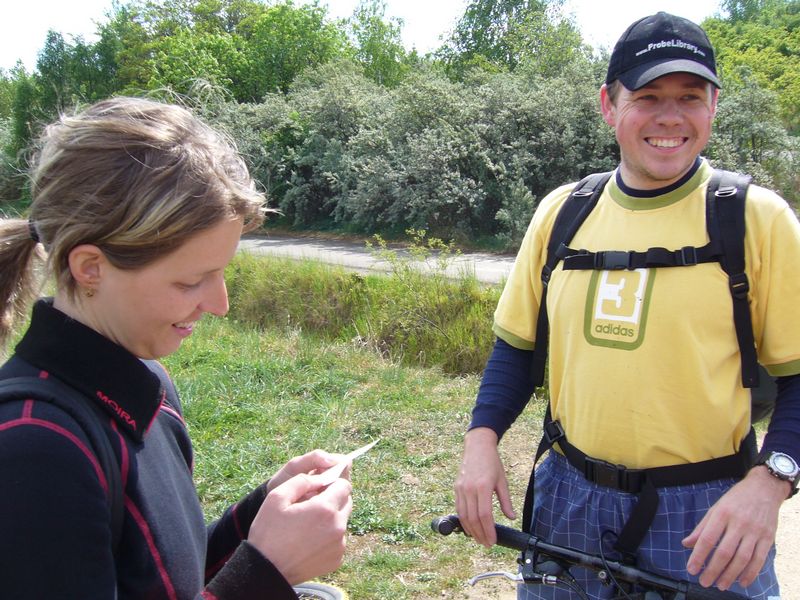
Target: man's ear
point(86, 263)
point(607, 106)
point(714, 100)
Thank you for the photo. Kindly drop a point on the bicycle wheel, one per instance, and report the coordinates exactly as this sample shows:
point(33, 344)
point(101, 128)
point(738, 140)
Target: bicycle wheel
point(319, 591)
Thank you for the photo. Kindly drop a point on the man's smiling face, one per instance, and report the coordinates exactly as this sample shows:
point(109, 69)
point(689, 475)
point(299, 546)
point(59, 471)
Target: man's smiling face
point(661, 127)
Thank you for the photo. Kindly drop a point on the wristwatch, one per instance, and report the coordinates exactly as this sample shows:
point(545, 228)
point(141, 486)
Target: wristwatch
point(782, 466)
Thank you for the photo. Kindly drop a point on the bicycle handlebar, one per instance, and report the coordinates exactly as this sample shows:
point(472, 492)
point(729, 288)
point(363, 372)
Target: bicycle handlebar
point(519, 540)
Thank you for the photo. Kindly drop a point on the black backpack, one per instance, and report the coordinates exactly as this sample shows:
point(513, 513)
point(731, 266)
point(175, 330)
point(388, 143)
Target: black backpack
point(725, 200)
point(725, 223)
point(88, 416)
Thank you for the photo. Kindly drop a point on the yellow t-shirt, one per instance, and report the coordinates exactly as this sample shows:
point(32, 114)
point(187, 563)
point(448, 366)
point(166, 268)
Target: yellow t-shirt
point(644, 365)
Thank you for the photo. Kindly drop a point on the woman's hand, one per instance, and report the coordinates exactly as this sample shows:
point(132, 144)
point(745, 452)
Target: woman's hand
point(302, 523)
point(309, 464)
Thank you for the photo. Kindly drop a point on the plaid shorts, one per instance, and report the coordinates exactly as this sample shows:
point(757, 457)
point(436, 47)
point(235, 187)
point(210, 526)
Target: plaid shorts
point(571, 511)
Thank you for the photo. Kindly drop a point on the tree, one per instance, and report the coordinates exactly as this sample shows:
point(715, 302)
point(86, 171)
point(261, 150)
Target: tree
point(547, 44)
point(763, 37)
point(23, 113)
point(187, 56)
point(148, 44)
point(52, 66)
point(750, 138)
point(218, 16)
point(744, 10)
point(91, 71)
point(330, 105)
point(282, 42)
point(124, 49)
point(505, 32)
point(379, 47)
point(6, 94)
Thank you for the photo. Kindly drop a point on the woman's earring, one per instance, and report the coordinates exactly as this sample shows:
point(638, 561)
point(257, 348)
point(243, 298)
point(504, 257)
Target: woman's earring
point(89, 293)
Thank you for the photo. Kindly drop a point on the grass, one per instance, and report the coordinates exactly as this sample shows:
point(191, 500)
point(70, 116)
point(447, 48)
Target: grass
point(415, 316)
point(255, 397)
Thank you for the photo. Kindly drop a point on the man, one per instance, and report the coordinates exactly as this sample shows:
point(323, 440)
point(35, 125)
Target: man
point(644, 364)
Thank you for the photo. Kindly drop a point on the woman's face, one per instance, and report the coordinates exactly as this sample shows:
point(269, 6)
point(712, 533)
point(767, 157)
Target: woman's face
point(150, 311)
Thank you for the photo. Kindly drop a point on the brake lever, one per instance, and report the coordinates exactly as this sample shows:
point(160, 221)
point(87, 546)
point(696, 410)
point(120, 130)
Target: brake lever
point(540, 578)
point(516, 578)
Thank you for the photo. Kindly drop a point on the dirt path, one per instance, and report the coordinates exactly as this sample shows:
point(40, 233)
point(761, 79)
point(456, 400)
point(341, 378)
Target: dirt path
point(789, 550)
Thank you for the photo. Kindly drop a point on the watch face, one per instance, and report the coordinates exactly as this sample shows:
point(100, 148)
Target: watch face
point(784, 464)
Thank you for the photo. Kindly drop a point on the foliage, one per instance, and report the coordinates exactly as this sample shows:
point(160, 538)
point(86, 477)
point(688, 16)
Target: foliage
point(6, 93)
point(184, 57)
point(23, 124)
point(426, 313)
point(9, 179)
point(379, 47)
point(436, 154)
point(506, 33)
point(746, 10)
point(422, 169)
point(344, 129)
point(547, 43)
point(332, 104)
point(282, 42)
point(764, 37)
point(749, 137)
point(264, 133)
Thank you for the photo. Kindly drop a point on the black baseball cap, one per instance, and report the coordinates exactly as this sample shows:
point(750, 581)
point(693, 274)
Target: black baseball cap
point(659, 45)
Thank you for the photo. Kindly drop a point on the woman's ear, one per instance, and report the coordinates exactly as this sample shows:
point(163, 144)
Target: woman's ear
point(86, 263)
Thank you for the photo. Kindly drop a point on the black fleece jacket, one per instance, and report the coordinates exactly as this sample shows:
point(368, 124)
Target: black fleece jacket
point(55, 534)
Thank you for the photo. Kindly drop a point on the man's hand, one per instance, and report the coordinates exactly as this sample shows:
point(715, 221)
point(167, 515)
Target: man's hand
point(734, 538)
point(481, 476)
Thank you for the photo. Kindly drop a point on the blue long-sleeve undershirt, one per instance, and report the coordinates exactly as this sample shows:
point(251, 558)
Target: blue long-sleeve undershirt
point(506, 388)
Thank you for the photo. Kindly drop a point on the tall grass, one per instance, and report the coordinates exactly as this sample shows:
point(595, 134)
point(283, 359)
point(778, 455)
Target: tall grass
point(417, 315)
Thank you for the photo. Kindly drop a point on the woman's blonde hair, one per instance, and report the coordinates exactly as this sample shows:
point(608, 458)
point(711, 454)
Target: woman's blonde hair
point(135, 177)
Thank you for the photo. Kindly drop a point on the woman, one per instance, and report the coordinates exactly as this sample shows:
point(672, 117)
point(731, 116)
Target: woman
point(138, 207)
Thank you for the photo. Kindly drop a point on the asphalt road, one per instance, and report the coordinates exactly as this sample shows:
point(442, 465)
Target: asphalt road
point(488, 268)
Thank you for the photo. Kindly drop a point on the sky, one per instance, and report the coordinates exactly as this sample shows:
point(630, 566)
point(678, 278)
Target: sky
point(24, 23)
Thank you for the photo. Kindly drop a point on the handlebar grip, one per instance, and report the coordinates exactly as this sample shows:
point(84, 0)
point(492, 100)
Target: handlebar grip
point(506, 536)
point(446, 525)
point(512, 538)
point(698, 592)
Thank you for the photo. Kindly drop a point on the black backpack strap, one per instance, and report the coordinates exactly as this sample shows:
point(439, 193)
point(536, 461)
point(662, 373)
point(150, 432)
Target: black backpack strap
point(645, 483)
point(571, 216)
point(88, 417)
point(552, 432)
point(616, 260)
point(725, 202)
point(642, 482)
